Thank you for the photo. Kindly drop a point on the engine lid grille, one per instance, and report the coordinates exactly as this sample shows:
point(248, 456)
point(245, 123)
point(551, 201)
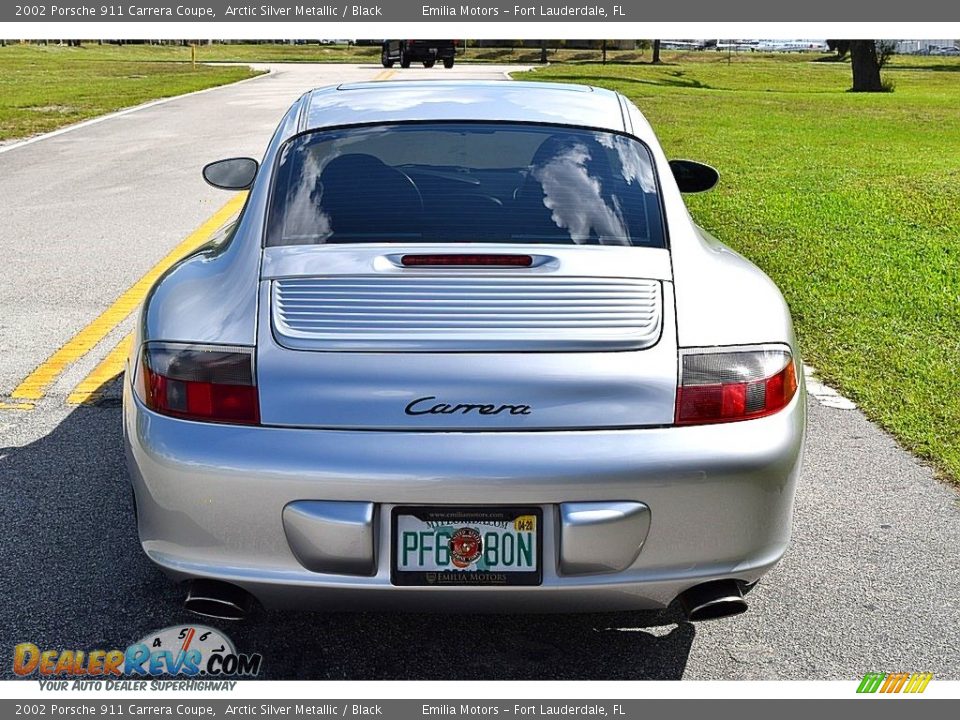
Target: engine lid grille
point(466, 312)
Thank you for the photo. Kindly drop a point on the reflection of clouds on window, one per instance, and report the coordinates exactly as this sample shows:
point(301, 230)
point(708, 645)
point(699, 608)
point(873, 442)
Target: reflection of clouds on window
point(632, 166)
point(305, 218)
point(464, 182)
point(575, 201)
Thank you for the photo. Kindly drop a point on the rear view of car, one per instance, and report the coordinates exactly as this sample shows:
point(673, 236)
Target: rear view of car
point(427, 52)
point(471, 356)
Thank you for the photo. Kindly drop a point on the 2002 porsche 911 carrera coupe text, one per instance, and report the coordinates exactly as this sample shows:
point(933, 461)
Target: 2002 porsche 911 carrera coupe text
point(464, 348)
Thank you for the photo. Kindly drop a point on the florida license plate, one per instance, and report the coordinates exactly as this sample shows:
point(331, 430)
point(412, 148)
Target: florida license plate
point(467, 546)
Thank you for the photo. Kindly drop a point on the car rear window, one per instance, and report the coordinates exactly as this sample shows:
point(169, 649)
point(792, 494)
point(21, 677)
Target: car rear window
point(465, 182)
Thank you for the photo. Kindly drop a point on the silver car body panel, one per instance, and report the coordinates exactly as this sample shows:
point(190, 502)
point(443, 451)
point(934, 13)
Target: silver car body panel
point(362, 298)
point(332, 537)
point(549, 260)
point(348, 383)
point(356, 103)
point(397, 391)
point(211, 498)
point(601, 537)
point(432, 311)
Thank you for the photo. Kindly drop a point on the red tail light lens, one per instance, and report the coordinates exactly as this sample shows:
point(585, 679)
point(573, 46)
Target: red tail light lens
point(209, 383)
point(730, 385)
point(472, 260)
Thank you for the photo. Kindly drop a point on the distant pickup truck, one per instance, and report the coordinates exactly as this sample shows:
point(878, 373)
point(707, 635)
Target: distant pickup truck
point(424, 51)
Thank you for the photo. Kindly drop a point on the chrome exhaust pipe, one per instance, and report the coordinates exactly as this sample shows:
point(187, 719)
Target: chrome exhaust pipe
point(712, 600)
point(217, 599)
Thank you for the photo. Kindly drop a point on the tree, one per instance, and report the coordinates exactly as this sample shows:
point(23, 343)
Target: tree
point(866, 66)
point(840, 47)
point(866, 59)
point(656, 53)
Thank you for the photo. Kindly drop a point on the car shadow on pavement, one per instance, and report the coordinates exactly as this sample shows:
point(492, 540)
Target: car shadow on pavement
point(76, 578)
point(615, 646)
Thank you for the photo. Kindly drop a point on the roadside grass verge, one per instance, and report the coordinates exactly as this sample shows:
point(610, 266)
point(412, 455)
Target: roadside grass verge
point(367, 54)
point(313, 53)
point(45, 87)
point(848, 201)
point(253, 52)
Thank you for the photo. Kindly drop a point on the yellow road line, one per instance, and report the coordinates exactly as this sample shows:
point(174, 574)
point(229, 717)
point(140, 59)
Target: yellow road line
point(36, 383)
point(16, 406)
point(91, 387)
point(384, 75)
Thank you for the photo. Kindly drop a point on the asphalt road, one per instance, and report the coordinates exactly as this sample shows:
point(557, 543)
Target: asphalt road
point(871, 582)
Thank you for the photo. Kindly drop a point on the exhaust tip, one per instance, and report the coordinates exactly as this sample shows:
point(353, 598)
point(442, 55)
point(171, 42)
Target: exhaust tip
point(713, 601)
point(219, 600)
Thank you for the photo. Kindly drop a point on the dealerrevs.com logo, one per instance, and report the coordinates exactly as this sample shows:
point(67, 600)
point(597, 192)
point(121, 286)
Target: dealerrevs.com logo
point(191, 651)
point(899, 682)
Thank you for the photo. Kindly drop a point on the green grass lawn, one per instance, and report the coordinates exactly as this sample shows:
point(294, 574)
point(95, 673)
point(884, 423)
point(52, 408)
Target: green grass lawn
point(275, 52)
point(850, 202)
point(45, 87)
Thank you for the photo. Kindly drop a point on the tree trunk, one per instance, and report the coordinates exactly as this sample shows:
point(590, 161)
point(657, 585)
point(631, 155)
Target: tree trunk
point(866, 66)
point(604, 46)
point(543, 52)
point(656, 52)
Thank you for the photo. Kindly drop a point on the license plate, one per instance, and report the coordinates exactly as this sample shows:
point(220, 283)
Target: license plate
point(467, 546)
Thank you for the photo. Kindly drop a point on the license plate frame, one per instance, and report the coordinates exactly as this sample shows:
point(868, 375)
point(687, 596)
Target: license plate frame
point(465, 578)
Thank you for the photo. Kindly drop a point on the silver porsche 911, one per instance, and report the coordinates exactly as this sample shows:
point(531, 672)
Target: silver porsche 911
point(464, 348)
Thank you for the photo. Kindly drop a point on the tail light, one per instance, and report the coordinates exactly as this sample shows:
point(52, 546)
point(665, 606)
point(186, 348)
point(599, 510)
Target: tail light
point(726, 385)
point(467, 260)
point(209, 383)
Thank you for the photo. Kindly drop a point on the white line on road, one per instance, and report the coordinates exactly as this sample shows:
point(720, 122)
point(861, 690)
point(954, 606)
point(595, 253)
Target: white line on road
point(826, 395)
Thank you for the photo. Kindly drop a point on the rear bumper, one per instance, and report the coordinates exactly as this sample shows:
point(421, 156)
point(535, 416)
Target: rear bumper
point(425, 52)
point(211, 502)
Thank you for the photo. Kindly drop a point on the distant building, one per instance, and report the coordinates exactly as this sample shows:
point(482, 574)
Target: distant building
point(909, 47)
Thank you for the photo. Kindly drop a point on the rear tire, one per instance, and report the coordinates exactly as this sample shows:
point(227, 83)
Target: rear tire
point(448, 63)
point(385, 60)
point(404, 60)
point(428, 63)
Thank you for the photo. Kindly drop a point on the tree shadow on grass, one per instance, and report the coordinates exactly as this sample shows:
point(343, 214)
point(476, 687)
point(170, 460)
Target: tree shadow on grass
point(676, 79)
point(76, 577)
point(922, 68)
point(494, 54)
